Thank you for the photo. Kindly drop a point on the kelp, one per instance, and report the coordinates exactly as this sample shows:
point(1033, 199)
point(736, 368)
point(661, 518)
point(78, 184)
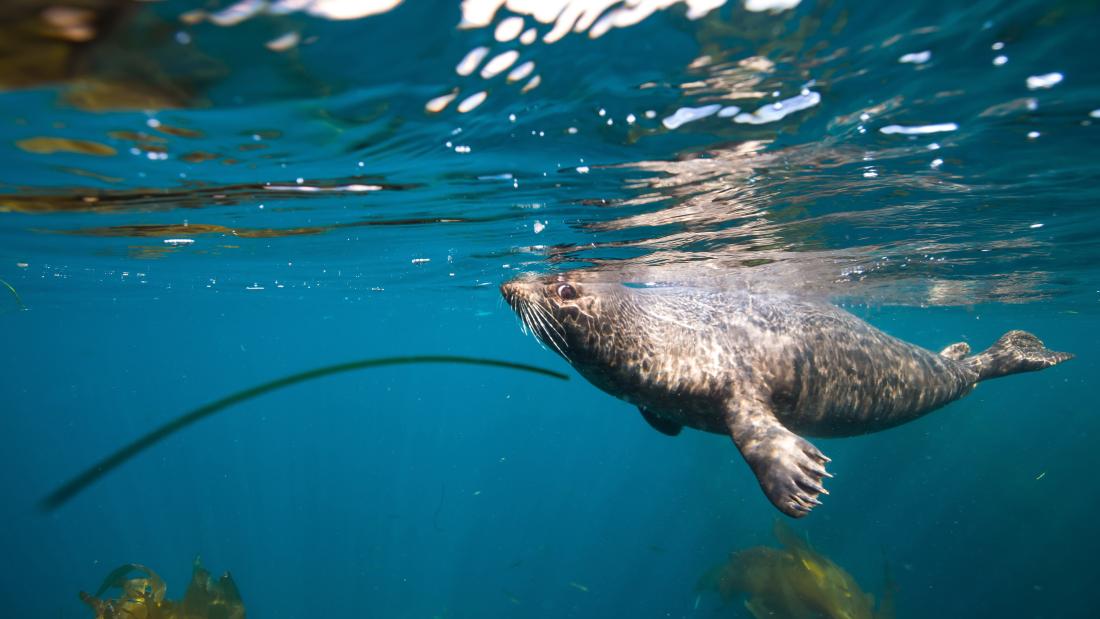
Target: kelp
point(67, 491)
point(15, 294)
point(143, 596)
point(795, 582)
point(104, 54)
point(151, 586)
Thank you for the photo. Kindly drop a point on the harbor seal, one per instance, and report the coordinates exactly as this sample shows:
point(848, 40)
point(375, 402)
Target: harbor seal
point(765, 369)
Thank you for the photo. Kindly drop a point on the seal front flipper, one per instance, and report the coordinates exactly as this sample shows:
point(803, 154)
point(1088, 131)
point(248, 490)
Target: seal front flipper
point(660, 424)
point(790, 469)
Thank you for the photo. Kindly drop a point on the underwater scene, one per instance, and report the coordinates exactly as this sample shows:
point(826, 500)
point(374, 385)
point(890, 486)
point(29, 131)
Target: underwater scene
point(549, 309)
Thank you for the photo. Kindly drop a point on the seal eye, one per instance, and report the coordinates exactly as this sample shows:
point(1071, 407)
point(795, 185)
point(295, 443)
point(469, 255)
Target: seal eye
point(567, 292)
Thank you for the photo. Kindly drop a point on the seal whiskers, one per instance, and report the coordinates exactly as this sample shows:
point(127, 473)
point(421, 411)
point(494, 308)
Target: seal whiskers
point(542, 326)
point(549, 330)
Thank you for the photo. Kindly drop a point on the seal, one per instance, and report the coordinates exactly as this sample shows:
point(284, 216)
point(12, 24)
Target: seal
point(765, 369)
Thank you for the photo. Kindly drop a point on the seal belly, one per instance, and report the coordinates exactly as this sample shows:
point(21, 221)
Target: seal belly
point(824, 371)
point(850, 378)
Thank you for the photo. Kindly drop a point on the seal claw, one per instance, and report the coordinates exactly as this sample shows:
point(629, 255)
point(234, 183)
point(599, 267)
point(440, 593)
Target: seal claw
point(798, 507)
point(816, 470)
point(789, 468)
point(812, 487)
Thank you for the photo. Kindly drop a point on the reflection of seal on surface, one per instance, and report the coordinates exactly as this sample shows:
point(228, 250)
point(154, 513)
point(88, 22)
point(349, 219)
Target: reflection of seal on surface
point(762, 368)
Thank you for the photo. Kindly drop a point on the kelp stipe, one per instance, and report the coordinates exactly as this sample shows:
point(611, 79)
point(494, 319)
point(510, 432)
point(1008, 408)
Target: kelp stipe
point(15, 294)
point(61, 495)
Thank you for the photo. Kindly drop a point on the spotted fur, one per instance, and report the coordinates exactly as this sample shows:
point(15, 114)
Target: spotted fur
point(763, 369)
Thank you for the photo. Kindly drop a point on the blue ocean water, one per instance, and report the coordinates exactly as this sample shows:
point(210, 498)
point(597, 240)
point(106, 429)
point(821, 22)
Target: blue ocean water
point(295, 190)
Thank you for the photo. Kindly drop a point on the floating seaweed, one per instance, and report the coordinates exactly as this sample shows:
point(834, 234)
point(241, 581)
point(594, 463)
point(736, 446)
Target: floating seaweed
point(87, 47)
point(795, 582)
point(143, 596)
point(26, 199)
point(61, 495)
point(45, 145)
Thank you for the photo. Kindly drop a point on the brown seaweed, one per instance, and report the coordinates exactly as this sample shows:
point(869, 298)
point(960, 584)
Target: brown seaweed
point(143, 596)
point(193, 196)
point(87, 47)
point(795, 582)
point(46, 145)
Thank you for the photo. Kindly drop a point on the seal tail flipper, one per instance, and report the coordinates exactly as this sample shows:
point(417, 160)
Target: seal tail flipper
point(1015, 352)
point(789, 468)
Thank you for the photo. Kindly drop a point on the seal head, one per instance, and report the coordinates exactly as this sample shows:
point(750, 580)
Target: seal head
point(556, 309)
point(569, 315)
point(603, 330)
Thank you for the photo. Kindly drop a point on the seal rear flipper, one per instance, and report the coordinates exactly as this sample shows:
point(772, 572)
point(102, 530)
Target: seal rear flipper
point(660, 424)
point(789, 468)
point(1014, 352)
point(956, 351)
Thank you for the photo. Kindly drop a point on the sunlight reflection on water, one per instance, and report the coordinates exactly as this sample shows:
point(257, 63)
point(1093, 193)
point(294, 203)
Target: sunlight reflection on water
point(786, 140)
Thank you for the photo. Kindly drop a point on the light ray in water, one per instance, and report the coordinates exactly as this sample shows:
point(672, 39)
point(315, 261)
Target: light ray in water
point(67, 491)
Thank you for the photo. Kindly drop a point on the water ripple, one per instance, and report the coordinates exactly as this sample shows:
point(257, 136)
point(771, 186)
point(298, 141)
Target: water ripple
point(929, 158)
